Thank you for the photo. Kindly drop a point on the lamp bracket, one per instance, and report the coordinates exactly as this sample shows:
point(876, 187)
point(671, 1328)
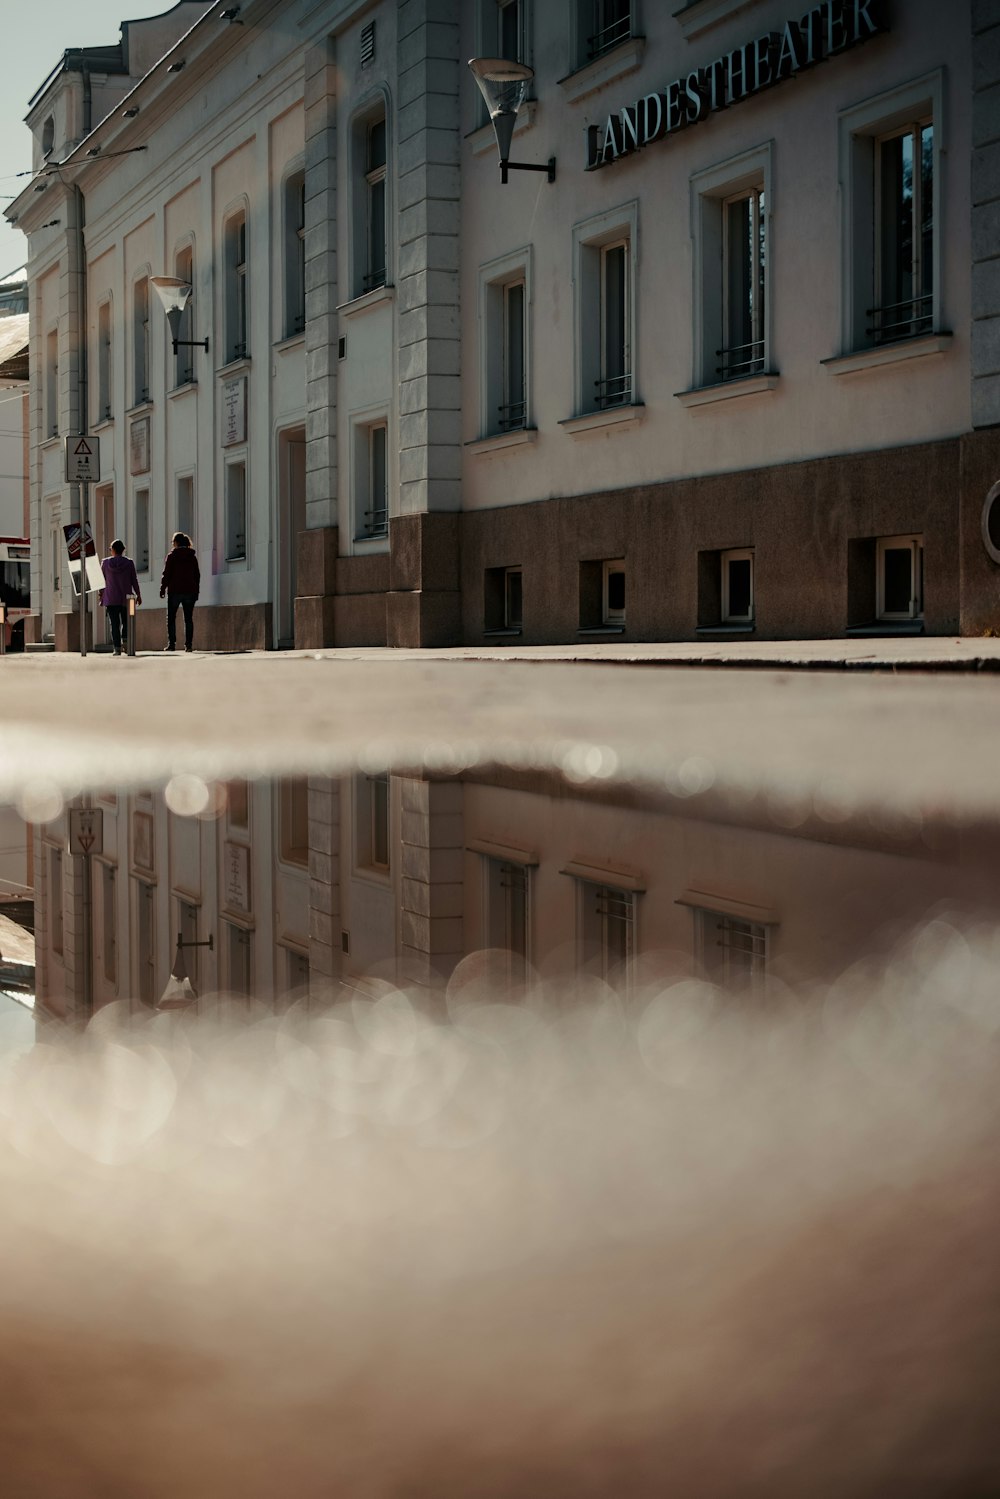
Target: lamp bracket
point(209, 943)
point(191, 343)
point(549, 167)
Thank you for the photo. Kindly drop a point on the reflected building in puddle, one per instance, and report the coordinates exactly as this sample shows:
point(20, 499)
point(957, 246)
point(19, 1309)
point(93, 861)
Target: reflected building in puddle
point(316, 888)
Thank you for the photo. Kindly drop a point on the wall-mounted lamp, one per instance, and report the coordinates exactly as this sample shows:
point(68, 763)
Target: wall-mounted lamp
point(180, 992)
point(130, 114)
point(39, 187)
point(503, 85)
point(232, 15)
point(94, 151)
point(176, 67)
point(174, 296)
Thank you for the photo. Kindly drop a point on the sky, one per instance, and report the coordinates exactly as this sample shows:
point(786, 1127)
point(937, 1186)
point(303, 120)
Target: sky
point(35, 36)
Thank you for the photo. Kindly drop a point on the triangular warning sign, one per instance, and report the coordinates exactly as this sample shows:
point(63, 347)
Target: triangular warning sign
point(83, 449)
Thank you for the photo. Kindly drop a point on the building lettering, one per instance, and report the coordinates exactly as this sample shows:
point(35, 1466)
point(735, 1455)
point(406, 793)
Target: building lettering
point(824, 31)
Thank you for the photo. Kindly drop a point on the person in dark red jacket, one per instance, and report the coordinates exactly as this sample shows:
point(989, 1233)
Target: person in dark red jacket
point(181, 583)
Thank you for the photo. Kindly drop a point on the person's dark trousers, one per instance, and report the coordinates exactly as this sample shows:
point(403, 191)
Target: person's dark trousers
point(185, 601)
point(118, 615)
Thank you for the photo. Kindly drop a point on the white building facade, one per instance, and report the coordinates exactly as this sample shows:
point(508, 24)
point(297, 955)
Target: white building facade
point(733, 371)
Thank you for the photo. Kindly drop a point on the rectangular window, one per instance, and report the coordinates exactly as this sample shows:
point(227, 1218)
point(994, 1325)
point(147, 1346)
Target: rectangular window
point(236, 512)
point(737, 587)
point(185, 504)
point(145, 947)
point(607, 930)
point(235, 249)
point(510, 30)
point(900, 577)
point(52, 384)
point(104, 362)
point(512, 610)
point(732, 334)
point(732, 952)
point(184, 358)
point(904, 232)
point(187, 929)
point(891, 156)
point(613, 387)
point(293, 816)
point(511, 412)
point(371, 812)
point(140, 341)
point(240, 955)
point(604, 255)
point(109, 919)
point(602, 24)
point(375, 181)
point(238, 805)
point(507, 892)
point(295, 253)
point(502, 599)
point(141, 543)
point(373, 481)
point(743, 256)
point(56, 900)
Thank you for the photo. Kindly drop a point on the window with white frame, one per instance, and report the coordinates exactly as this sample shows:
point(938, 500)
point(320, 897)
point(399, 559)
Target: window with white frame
point(140, 547)
point(375, 204)
point(502, 599)
point(503, 29)
point(295, 253)
point(237, 334)
point(507, 908)
point(140, 341)
point(736, 586)
point(600, 26)
point(293, 820)
point(236, 512)
point(732, 952)
point(372, 822)
point(890, 162)
point(184, 511)
point(184, 358)
point(52, 383)
point(104, 365)
point(899, 581)
point(605, 310)
point(372, 480)
point(504, 299)
point(607, 930)
point(731, 210)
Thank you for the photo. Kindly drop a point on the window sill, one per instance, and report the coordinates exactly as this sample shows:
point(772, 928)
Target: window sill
point(732, 629)
point(501, 440)
point(106, 421)
point(611, 416)
point(906, 348)
point(885, 627)
point(608, 68)
point(601, 630)
point(698, 16)
point(367, 301)
point(139, 409)
point(602, 874)
point(234, 367)
point(186, 389)
point(50, 442)
point(484, 139)
point(371, 543)
point(290, 341)
point(727, 390)
point(492, 634)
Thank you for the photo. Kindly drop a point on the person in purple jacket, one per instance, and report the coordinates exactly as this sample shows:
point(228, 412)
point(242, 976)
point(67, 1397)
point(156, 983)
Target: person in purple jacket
point(120, 580)
point(181, 582)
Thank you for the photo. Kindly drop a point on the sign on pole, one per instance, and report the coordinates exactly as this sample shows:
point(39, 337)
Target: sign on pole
point(83, 460)
point(86, 830)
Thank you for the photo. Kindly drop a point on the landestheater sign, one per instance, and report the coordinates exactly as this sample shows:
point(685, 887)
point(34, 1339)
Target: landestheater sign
point(825, 30)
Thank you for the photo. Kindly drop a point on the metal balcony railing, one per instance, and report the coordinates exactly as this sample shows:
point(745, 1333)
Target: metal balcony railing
point(614, 390)
point(740, 360)
point(907, 319)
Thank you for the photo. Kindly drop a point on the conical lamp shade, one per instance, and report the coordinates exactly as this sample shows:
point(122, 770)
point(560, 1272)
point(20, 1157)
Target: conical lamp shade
point(503, 84)
point(173, 293)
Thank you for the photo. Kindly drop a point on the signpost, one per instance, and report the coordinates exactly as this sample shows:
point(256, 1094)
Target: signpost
point(83, 467)
point(86, 830)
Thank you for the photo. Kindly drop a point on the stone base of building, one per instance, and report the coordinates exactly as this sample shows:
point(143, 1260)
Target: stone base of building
point(217, 627)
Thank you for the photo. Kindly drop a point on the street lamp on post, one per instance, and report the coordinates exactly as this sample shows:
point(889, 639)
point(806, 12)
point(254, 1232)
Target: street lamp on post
point(174, 296)
point(504, 84)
